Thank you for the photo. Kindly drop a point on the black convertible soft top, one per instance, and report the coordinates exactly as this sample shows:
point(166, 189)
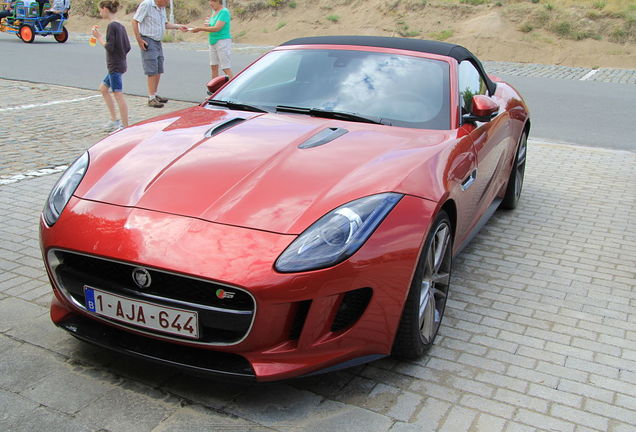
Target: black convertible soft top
point(457, 52)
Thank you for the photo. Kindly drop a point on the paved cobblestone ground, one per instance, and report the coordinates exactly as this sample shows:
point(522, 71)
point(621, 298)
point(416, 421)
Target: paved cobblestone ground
point(48, 125)
point(539, 334)
point(623, 76)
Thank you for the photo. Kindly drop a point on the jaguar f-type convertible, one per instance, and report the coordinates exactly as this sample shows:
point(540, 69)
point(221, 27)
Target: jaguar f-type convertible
point(302, 219)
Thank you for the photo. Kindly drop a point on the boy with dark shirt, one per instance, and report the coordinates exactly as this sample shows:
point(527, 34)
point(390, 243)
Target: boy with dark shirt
point(117, 46)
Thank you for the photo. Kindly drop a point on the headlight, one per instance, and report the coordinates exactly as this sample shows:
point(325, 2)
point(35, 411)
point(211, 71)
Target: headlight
point(337, 235)
point(64, 188)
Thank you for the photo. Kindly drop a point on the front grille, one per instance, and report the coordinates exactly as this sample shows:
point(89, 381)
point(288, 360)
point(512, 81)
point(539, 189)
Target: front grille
point(222, 319)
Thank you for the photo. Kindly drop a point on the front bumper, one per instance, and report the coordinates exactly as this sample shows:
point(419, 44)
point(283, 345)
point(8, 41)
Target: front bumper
point(302, 322)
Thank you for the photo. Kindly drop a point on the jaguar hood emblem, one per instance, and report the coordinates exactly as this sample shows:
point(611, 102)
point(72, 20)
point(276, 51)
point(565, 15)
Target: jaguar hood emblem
point(141, 277)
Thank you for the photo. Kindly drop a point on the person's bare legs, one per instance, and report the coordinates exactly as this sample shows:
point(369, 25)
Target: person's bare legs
point(228, 72)
point(123, 107)
point(215, 70)
point(110, 104)
point(153, 84)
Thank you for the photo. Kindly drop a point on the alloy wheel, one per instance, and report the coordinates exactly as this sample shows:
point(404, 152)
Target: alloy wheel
point(435, 283)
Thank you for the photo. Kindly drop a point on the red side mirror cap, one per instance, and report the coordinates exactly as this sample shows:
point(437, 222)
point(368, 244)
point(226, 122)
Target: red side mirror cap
point(216, 83)
point(483, 109)
point(483, 106)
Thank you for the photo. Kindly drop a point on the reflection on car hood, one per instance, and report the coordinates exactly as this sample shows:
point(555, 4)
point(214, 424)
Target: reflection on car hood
point(253, 174)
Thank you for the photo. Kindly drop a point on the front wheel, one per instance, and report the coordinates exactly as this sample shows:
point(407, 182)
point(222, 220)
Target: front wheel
point(26, 33)
point(61, 37)
point(515, 181)
point(426, 301)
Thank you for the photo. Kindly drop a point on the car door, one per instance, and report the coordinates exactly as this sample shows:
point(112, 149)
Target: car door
point(489, 140)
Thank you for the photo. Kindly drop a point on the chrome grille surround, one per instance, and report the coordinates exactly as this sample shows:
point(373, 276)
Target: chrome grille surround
point(244, 315)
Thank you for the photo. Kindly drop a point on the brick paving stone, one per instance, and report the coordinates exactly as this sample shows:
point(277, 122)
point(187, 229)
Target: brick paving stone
point(539, 333)
point(61, 131)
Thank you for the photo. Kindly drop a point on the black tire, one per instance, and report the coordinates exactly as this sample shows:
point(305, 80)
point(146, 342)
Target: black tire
point(61, 37)
point(426, 301)
point(515, 181)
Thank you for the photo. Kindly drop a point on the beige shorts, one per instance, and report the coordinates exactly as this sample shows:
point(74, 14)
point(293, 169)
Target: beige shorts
point(221, 53)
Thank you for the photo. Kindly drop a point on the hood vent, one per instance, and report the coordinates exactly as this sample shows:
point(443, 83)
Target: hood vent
point(323, 137)
point(223, 126)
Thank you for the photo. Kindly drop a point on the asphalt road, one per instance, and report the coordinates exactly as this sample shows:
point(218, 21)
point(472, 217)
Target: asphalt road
point(588, 113)
point(595, 114)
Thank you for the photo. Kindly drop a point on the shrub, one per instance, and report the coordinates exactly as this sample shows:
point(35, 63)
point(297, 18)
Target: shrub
point(618, 35)
point(333, 18)
point(599, 4)
point(562, 28)
point(526, 27)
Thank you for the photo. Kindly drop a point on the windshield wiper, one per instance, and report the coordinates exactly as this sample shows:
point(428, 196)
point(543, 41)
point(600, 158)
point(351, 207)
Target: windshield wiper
point(236, 105)
point(340, 115)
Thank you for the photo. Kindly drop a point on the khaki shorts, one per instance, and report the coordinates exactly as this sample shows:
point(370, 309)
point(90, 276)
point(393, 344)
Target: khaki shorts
point(221, 53)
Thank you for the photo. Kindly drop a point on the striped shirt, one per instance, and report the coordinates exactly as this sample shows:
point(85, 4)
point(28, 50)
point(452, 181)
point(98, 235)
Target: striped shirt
point(152, 20)
point(59, 5)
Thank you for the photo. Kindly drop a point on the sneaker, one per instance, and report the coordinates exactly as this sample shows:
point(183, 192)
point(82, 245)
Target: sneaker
point(113, 125)
point(161, 99)
point(154, 102)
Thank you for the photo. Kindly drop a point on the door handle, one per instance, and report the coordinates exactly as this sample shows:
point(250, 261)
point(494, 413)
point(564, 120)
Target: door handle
point(468, 182)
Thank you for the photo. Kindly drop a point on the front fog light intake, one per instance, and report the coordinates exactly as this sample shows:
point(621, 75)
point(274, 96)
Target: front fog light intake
point(337, 235)
point(64, 189)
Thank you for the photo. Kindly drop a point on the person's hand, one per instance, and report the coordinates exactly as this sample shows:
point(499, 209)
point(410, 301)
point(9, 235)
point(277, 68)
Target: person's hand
point(142, 44)
point(183, 28)
point(195, 30)
point(95, 32)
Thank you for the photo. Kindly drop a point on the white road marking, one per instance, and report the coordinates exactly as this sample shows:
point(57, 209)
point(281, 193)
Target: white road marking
point(589, 75)
point(36, 173)
point(24, 107)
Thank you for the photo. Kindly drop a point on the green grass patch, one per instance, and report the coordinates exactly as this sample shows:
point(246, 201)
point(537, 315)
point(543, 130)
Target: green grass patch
point(474, 2)
point(526, 27)
point(599, 4)
point(441, 35)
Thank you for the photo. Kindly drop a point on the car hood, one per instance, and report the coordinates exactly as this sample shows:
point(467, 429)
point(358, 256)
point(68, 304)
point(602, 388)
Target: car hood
point(247, 169)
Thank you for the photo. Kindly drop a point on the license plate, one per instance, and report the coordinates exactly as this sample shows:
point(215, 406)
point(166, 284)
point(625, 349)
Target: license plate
point(153, 316)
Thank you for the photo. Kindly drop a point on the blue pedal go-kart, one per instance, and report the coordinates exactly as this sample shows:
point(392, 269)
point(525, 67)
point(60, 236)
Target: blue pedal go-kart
point(26, 22)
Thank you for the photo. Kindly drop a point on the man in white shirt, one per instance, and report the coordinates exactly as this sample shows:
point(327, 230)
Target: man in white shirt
point(149, 24)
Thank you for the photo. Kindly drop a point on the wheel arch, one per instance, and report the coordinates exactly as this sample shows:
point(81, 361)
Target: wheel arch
point(526, 127)
point(451, 210)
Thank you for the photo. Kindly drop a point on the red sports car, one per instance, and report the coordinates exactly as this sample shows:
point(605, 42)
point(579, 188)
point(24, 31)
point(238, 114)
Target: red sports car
point(302, 219)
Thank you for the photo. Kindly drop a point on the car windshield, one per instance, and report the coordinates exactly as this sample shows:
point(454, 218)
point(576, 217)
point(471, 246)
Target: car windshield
point(391, 89)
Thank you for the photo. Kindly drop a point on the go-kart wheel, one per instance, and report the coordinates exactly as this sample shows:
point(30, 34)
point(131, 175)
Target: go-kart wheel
point(61, 37)
point(26, 33)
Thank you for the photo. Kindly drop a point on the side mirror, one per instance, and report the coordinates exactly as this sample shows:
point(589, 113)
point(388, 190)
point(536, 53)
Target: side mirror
point(484, 109)
point(216, 83)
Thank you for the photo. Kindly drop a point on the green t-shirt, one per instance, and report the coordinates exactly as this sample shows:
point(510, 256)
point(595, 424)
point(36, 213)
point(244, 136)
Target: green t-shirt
point(224, 33)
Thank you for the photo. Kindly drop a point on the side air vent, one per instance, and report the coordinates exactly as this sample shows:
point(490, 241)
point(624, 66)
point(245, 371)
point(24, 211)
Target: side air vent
point(323, 137)
point(223, 126)
point(353, 305)
point(302, 309)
